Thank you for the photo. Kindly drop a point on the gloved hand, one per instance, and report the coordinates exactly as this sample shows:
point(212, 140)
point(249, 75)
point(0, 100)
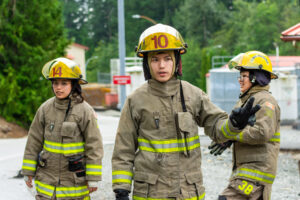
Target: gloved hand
point(219, 148)
point(121, 194)
point(242, 116)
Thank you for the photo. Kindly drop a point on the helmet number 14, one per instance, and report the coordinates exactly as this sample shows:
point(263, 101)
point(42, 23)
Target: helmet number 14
point(57, 71)
point(158, 41)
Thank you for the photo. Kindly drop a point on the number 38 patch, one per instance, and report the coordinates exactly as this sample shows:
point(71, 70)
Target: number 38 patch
point(247, 188)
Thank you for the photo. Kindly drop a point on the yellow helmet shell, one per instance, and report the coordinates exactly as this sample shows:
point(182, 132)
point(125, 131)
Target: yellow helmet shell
point(62, 68)
point(252, 60)
point(160, 37)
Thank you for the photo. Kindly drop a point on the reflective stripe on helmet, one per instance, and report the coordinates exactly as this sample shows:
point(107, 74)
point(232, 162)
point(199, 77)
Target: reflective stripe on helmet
point(160, 37)
point(62, 68)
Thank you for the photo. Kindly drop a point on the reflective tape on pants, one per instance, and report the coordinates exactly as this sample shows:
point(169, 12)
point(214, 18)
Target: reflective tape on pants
point(255, 175)
point(122, 177)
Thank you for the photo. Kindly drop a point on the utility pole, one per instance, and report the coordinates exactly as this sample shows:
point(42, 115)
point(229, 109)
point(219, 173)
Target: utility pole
point(121, 30)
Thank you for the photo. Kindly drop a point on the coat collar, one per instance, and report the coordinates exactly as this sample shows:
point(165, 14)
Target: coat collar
point(62, 104)
point(169, 88)
point(253, 90)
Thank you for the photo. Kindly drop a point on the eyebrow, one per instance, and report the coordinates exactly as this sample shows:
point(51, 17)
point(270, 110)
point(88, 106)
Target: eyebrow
point(163, 57)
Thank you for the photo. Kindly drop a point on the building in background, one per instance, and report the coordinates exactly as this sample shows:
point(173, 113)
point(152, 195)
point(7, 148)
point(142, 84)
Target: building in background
point(76, 52)
point(223, 88)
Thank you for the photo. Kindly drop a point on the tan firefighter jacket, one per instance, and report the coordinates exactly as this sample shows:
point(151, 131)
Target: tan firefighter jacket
point(58, 140)
point(256, 148)
point(157, 144)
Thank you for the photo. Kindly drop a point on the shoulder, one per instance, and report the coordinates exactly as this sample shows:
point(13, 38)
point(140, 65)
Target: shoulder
point(190, 89)
point(83, 107)
point(47, 104)
point(265, 98)
point(140, 91)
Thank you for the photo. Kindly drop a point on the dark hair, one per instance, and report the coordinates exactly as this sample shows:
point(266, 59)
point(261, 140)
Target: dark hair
point(258, 77)
point(76, 91)
point(146, 68)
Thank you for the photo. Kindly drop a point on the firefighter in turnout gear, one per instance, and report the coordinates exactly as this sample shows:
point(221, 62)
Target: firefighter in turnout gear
point(256, 148)
point(64, 148)
point(157, 144)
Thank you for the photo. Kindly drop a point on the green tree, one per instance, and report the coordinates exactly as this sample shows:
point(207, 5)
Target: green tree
point(77, 19)
point(104, 52)
point(258, 28)
point(199, 19)
point(31, 33)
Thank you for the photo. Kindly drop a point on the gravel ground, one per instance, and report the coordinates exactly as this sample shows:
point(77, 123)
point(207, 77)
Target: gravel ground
point(216, 172)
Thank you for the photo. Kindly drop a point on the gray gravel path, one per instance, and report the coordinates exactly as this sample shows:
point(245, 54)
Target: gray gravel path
point(216, 172)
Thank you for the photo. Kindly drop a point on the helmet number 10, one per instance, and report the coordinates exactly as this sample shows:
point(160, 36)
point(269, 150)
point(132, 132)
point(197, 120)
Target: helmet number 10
point(158, 41)
point(57, 71)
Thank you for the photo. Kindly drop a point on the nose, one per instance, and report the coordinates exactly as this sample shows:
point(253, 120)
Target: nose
point(162, 64)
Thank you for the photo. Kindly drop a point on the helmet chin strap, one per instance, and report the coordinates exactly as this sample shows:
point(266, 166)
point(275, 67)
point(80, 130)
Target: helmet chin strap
point(69, 97)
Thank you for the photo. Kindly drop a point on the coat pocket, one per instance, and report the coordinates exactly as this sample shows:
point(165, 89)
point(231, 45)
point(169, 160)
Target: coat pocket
point(186, 123)
point(250, 153)
point(68, 129)
point(194, 179)
point(72, 140)
point(142, 181)
point(188, 132)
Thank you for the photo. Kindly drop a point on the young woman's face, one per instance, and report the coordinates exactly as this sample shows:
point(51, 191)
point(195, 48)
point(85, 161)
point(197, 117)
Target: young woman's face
point(244, 81)
point(61, 87)
point(162, 67)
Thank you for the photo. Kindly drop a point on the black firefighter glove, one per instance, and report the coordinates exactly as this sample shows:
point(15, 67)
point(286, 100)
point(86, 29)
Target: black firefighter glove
point(121, 194)
point(219, 148)
point(242, 116)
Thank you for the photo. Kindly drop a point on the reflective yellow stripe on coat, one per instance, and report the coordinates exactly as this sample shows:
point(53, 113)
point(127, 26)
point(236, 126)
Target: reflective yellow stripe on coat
point(61, 192)
point(93, 170)
point(122, 177)
point(66, 148)
point(275, 138)
point(168, 146)
point(29, 165)
point(44, 188)
point(71, 191)
point(229, 134)
point(255, 175)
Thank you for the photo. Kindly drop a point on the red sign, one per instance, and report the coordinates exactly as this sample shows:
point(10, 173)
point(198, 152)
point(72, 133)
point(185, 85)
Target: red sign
point(121, 80)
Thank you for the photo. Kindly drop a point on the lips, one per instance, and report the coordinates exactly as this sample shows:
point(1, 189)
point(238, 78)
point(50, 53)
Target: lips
point(162, 73)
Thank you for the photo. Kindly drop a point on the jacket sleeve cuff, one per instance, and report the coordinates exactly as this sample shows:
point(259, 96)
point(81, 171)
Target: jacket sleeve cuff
point(229, 131)
point(29, 167)
point(93, 172)
point(122, 179)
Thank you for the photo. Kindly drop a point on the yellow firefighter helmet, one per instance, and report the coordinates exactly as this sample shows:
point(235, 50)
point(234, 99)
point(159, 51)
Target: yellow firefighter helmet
point(62, 68)
point(252, 60)
point(160, 37)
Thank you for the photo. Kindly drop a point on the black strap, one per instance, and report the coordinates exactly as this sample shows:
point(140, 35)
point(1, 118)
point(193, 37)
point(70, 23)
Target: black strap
point(182, 98)
point(68, 109)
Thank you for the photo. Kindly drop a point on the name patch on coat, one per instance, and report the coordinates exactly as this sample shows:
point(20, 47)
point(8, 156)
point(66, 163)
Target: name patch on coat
point(269, 105)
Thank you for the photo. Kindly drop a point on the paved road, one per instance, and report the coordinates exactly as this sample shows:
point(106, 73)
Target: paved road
point(216, 170)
